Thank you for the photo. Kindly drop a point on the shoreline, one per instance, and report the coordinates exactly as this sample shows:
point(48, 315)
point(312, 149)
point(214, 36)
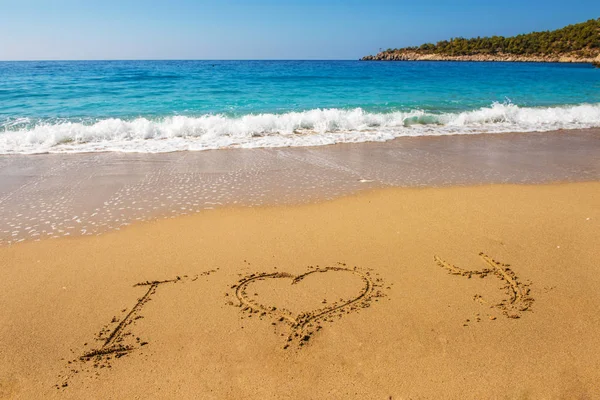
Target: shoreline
point(58, 195)
point(422, 331)
point(592, 130)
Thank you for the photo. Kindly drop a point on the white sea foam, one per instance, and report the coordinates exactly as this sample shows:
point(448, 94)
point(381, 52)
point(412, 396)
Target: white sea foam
point(308, 128)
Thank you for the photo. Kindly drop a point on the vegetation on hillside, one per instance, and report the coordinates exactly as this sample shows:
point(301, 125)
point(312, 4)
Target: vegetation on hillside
point(581, 39)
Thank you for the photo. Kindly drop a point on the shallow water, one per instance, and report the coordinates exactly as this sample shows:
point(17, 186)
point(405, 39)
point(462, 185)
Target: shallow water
point(50, 196)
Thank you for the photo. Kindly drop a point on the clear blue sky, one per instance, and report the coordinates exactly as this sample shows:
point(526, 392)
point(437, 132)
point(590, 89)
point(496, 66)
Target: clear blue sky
point(261, 29)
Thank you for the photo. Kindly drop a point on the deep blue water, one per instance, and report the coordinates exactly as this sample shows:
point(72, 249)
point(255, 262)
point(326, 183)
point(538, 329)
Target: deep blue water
point(126, 105)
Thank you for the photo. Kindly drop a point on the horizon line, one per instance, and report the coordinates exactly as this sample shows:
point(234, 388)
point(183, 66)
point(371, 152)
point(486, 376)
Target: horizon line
point(181, 59)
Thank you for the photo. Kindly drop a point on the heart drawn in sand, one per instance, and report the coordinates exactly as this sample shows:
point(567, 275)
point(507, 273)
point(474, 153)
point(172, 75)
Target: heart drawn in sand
point(302, 301)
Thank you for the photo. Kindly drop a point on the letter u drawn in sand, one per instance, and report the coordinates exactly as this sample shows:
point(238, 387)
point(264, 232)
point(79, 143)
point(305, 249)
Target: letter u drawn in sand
point(517, 293)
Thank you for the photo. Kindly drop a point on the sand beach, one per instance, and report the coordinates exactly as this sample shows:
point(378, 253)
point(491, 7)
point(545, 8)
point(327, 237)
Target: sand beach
point(469, 290)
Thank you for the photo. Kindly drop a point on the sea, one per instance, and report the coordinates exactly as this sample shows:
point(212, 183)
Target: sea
point(167, 106)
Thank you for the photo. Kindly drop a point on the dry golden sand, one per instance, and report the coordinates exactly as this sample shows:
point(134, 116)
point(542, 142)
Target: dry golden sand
point(396, 327)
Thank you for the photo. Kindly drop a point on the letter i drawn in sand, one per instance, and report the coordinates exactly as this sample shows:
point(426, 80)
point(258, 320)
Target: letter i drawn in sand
point(517, 293)
point(116, 338)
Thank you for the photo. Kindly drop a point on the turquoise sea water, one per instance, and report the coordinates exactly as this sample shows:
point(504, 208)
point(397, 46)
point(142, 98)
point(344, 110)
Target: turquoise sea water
point(154, 106)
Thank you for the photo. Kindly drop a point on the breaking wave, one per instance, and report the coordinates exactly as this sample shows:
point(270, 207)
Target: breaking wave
point(308, 128)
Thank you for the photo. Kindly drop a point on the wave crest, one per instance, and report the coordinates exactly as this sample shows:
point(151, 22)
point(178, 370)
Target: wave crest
point(307, 128)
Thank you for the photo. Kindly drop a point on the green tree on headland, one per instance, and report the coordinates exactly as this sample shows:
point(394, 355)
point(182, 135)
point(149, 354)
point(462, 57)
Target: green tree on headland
point(581, 40)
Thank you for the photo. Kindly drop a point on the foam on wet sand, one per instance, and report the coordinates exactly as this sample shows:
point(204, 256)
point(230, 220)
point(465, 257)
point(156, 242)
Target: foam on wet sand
point(52, 196)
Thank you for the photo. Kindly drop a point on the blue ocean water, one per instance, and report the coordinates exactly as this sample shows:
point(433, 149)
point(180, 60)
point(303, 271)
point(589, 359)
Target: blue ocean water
point(153, 106)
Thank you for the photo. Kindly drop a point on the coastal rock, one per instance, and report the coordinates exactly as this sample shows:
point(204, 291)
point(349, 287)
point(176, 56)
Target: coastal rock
point(417, 56)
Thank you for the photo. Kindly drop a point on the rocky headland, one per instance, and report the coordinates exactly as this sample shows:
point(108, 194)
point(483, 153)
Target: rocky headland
point(577, 43)
point(417, 56)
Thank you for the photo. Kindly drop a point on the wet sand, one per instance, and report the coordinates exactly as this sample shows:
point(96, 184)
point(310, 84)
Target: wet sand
point(472, 292)
point(52, 196)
